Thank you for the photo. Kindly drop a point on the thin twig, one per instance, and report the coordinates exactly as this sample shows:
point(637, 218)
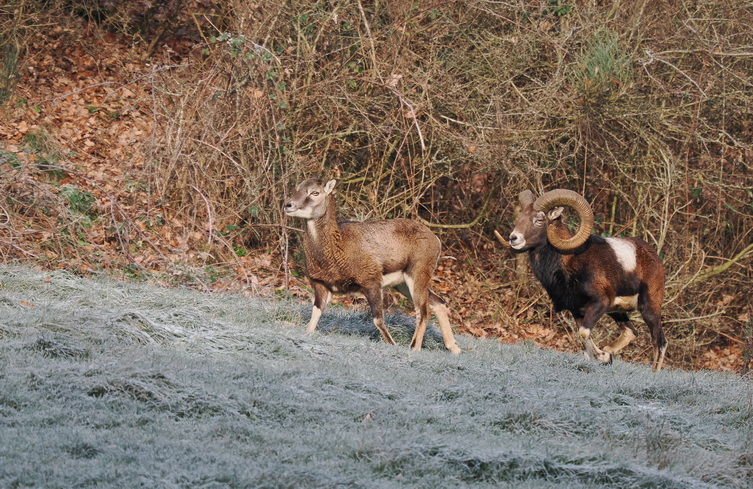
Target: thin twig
point(467, 225)
point(724, 266)
point(652, 57)
point(413, 115)
point(372, 49)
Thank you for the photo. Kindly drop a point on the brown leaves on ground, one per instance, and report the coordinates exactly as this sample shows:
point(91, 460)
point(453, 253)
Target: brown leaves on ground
point(726, 358)
point(80, 119)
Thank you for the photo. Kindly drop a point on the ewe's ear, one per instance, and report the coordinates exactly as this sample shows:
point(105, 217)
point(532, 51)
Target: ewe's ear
point(555, 213)
point(329, 187)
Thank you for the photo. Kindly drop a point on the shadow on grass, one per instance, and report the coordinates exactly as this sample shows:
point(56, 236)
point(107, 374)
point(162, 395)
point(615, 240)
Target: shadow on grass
point(354, 322)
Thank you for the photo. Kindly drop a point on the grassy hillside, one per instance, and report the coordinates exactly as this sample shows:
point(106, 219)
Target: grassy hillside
point(114, 384)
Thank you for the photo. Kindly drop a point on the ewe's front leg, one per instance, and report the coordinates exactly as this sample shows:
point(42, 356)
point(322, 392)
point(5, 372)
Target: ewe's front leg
point(374, 297)
point(322, 296)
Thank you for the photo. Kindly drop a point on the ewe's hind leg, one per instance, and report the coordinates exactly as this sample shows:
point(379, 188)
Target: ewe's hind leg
point(627, 335)
point(440, 310)
point(419, 294)
point(442, 313)
point(374, 297)
point(321, 298)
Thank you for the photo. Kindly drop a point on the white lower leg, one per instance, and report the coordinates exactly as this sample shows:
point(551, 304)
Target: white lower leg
point(592, 351)
point(443, 318)
point(621, 342)
point(316, 313)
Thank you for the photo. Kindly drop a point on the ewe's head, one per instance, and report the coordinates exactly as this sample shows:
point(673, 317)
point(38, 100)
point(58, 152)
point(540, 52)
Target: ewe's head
point(309, 201)
point(535, 223)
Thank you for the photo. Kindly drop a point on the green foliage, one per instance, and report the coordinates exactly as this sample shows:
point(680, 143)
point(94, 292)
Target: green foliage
point(603, 68)
point(9, 75)
point(43, 144)
point(560, 9)
point(132, 271)
point(10, 158)
point(80, 201)
point(234, 43)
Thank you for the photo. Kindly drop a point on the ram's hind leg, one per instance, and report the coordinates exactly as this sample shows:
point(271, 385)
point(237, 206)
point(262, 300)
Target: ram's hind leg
point(660, 348)
point(650, 308)
point(626, 336)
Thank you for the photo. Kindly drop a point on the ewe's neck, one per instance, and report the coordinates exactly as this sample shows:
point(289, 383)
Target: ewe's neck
point(325, 225)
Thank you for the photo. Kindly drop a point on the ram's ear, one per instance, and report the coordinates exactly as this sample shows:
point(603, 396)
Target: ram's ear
point(555, 213)
point(329, 187)
point(525, 198)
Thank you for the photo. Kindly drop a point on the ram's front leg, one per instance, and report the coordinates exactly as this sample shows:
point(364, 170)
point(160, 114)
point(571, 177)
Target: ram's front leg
point(322, 296)
point(585, 326)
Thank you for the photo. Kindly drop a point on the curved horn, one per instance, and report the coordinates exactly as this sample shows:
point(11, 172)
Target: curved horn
point(567, 198)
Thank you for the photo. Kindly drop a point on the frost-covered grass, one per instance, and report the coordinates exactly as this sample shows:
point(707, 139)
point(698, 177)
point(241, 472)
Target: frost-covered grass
point(107, 384)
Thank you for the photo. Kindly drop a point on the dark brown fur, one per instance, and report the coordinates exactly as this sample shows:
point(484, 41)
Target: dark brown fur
point(591, 280)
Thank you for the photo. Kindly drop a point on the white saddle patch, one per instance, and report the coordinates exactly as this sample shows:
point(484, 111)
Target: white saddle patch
point(625, 252)
point(624, 303)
